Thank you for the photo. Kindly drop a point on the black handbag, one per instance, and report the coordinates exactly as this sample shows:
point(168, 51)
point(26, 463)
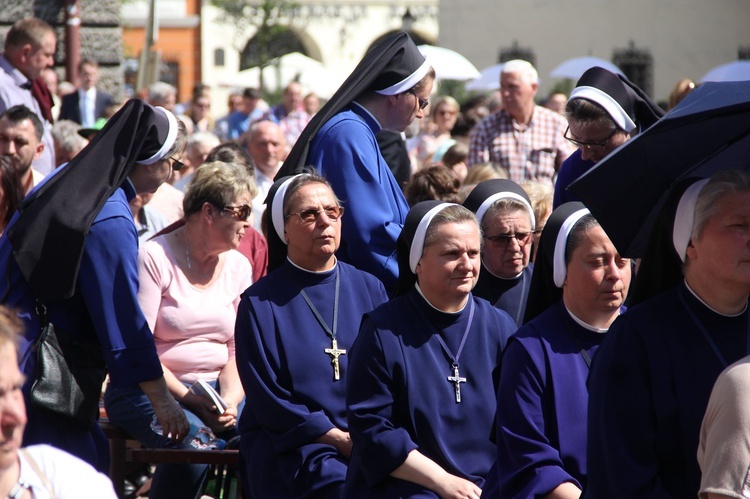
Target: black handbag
point(69, 374)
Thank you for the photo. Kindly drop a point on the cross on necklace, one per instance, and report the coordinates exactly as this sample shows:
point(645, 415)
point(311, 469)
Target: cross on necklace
point(334, 352)
point(456, 379)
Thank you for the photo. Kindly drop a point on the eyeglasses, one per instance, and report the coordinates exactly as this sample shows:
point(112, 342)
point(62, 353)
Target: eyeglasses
point(422, 102)
point(241, 212)
point(177, 165)
point(590, 145)
point(309, 216)
point(500, 240)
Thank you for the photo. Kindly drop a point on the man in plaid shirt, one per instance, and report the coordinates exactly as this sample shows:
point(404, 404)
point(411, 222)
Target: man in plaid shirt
point(525, 139)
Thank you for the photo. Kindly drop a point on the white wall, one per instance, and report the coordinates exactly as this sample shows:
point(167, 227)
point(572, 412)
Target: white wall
point(685, 37)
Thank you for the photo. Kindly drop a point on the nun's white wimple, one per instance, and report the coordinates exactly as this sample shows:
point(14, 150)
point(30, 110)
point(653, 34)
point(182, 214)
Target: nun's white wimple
point(168, 143)
point(417, 244)
point(505, 195)
point(613, 108)
point(559, 269)
point(277, 209)
point(684, 218)
point(408, 82)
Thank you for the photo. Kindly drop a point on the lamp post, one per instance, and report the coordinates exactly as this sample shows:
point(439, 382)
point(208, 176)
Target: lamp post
point(72, 39)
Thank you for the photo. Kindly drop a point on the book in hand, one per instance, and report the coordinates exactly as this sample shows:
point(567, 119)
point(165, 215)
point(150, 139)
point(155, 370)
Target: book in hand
point(205, 390)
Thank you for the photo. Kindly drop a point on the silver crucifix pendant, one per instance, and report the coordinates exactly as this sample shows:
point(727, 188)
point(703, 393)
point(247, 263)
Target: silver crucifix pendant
point(334, 352)
point(456, 379)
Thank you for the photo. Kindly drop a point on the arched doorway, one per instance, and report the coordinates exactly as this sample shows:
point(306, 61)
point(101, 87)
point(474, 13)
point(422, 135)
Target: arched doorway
point(268, 43)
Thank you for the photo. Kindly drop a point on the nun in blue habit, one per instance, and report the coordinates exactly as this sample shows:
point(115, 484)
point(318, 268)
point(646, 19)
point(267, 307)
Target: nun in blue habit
point(579, 285)
point(421, 385)
point(508, 226)
point(294, 330)
point(688, 320)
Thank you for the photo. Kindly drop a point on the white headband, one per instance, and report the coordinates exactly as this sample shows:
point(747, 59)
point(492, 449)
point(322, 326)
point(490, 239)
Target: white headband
point(168, 143)
point(417, 245)
point(277, 209)
point(685, 216)
point(505, 195)
point(559, 269)
point(613, 108)
point(408, 82)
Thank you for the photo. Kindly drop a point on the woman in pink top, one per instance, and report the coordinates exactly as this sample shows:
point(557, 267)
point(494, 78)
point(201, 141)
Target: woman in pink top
point(190, 285)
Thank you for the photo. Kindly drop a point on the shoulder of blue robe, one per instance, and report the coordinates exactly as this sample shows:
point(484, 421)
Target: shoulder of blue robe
point(649, 386)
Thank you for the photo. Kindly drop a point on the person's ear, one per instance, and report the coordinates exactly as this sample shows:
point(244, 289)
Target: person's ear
point(39, 149)
point(209, 211)
point(690, 252)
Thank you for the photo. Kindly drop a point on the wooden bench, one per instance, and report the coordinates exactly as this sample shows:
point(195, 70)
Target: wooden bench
point(125, 451)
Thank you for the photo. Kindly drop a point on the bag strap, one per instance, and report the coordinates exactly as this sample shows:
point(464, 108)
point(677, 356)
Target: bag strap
point(38, 471)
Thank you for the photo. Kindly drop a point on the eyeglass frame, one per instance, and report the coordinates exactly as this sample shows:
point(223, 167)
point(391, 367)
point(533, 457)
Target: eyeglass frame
point(317, 214)
point(590, 145)
point(423, 103)
point(502, 240)
point(236, 211)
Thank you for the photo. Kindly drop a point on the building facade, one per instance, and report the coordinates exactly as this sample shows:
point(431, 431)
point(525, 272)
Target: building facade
point(684, 38)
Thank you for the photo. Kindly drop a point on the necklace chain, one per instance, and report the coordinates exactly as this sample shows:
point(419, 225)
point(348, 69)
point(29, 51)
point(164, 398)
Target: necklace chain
point(187, 248)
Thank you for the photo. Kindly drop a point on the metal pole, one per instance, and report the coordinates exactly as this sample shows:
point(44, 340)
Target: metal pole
point(72, 40)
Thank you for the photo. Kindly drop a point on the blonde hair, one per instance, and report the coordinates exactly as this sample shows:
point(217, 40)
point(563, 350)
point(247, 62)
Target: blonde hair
point(219, 184)
point(541, 196)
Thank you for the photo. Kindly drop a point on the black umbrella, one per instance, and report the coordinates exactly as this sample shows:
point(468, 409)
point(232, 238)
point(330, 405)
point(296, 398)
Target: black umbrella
point(707, 132)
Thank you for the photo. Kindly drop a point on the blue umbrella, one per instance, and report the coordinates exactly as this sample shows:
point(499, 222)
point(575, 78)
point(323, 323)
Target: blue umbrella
point(731, 71)
point(707, 132)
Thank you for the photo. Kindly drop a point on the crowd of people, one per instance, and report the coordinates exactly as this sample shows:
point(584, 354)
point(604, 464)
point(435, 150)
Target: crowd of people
point(391, 294)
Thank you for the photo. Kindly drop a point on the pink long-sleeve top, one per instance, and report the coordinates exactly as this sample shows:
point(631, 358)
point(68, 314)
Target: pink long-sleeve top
point(193, 328)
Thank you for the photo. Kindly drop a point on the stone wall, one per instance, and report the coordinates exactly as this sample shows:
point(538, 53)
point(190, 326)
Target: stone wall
point(101, 34)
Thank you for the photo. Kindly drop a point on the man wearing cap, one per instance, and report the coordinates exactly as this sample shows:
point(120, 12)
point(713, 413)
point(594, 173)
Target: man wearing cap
point(387, 90)
point(604, 111)
point(73, 247)
point(525, 139)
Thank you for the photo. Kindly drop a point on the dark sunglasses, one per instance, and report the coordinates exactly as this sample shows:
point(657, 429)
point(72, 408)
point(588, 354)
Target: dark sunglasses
point(177, 165)
point(422, 102)
point(523, 238)
point(241, 212)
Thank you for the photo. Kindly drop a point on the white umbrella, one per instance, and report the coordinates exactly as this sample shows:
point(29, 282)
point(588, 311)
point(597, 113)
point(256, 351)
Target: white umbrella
point(449, 64)
point(489, 79)
point(731, 71)
point(285, 69)
point(574, 68)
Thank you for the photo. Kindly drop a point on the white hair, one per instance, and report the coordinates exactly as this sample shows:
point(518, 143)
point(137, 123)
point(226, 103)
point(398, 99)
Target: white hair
point(524, 68)
point(204, 138)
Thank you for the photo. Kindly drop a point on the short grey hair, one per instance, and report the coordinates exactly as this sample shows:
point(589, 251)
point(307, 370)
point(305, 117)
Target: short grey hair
point(720, 185)
point(65, 134)
point(524, 68)
point(506, 205)
point(203, 138)
point(160, 90)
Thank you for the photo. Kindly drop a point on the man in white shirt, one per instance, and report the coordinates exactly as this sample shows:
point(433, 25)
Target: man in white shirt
point(87, 104)
point(29, 49)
